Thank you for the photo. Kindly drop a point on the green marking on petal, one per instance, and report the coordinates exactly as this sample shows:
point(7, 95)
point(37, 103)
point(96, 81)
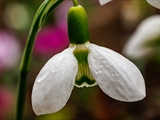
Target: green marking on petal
point(84, 76)
point(85, 81)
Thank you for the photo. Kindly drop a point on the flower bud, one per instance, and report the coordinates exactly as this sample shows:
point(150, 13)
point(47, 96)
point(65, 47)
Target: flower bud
point(78, 25)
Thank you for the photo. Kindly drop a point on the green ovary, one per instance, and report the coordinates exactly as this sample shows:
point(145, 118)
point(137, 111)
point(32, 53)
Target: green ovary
point(84, 76)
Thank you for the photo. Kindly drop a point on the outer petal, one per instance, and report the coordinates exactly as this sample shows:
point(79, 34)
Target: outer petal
point(155, 3)
point(102, 2)
point(54, 83)
point(116, 76)
point(148, 30)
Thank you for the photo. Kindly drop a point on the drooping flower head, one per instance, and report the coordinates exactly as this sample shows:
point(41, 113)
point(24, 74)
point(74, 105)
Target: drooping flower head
point(84, 64)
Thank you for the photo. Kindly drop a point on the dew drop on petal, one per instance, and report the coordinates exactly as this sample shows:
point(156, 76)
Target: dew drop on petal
point(41, 77)
point(103, 60)
point(125, 68)
point(99, 71)
point(113, 74)
point(100, 66)
point(107, 66)
point(94, 60)
point(95, 66)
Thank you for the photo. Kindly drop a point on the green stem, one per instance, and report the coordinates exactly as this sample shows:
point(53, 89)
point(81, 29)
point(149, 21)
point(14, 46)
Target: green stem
point(21, 94)
point(75, 2)
point(42, 13)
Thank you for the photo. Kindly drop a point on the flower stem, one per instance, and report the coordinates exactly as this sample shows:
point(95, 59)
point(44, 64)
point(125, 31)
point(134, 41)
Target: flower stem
point(42, 13)
point(21, 94)
point(75, 2)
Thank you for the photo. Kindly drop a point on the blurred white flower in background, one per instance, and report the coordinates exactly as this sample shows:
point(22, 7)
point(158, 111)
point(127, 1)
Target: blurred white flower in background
point(18, 16)
point(102, 2)
point(9, 50)
point(130, 14)
point(155, 3)
point(147, 32)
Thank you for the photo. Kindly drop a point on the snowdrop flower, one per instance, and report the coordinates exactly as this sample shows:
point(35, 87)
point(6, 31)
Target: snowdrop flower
point(84, 64)
point(155, 3)
point(136, 47)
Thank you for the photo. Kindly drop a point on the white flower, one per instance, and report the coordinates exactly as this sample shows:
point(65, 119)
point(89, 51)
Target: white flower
point(136, 47)
point(115, 75)
point(155, 3)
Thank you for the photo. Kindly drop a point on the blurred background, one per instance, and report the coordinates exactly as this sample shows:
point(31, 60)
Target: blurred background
point(112, 25)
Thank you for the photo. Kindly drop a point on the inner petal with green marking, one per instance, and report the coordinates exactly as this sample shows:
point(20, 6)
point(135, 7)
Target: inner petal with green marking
point(84, 76)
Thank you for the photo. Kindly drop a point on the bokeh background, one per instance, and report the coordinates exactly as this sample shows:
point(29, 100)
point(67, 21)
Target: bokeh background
point(110, 25)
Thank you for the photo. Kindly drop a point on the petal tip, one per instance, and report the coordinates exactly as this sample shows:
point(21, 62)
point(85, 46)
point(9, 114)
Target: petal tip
point(137, 97)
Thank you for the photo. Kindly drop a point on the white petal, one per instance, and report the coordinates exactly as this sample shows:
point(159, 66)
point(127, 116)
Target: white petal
point(148, 30)
point(116, 76)
point(103, 2)
point(54, 83)
point(155, 3)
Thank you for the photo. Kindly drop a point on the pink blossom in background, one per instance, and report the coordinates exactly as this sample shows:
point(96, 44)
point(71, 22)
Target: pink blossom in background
point(5, 102)
point(54, 39)
point(51, 40)
point(9, 50)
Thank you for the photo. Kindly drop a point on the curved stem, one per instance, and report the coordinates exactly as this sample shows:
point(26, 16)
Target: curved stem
point(42, 13)
point(75, 2)
point(21, 95)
